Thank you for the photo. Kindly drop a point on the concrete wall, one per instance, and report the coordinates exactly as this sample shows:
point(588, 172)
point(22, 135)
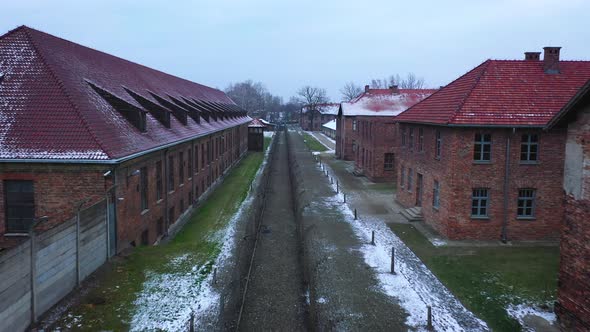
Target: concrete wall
point(56, 266)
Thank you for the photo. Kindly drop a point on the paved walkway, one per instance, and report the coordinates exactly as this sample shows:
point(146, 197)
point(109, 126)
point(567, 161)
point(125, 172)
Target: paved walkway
point(275, 297)
point(329, 143)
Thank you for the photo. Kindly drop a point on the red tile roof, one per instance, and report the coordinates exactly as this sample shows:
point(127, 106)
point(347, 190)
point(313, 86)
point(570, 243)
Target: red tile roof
point(502, 93)
point(48, 109)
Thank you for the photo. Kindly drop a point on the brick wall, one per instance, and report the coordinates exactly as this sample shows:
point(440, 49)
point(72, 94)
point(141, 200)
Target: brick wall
point(573, 306)
point(58, 187)
point(313, 120)
point(345, 137)
point(458, 175)
point(376, 137)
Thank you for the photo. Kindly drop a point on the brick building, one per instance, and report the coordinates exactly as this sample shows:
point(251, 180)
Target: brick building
point(367, 129)
point(312, 119)
point(78, 125)
point(573, 299)
point(478, 156)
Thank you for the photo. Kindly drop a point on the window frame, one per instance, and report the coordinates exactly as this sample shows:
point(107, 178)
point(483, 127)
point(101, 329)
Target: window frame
point(411, 139)
point(525, 199)
point(402, 176)
point(24, 205)
point(437, 144)
point(404, 132)
point(482, 143)
point(170, 173)
point(180, 167)
point(436, 195)
point(354, 125)
point(410, 179)
point(528, 146)
point(476, 194)
point(386, 162)
point(420, 139)
point(144, 189)
point(159, 183)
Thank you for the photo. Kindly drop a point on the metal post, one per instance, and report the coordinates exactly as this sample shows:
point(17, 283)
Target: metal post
point(354, 214)
point(331, 180)
point(337, 186)
point(191, 328)
point(215, 276)
point(392, 260)
point(429, 323)
point(344, 197)
point(373, 237)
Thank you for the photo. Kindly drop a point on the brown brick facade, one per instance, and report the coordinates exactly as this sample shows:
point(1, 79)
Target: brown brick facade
point(58, 187)
point(346, 137)
point(376, 137)
point(458, 174)
point(313, 120)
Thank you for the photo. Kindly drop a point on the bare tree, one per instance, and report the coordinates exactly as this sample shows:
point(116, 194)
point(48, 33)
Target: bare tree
point(312, 96)
point(248, 95)
point(350, 91)
point(411, 81)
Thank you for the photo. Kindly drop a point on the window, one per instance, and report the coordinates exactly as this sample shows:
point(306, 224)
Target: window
point(190, 197)
point(180, 167)
point(19, 198)
point(479, 203)
point(529, 146)
point(421, 139)
point(160, 226)
point(436, 195)
point(438, 145)
point(181, 206)
point(410, 178)
point(388, 161)
point(402, 176)
point(526, 203)
point(159, 180)
point(190, 163)
point(411, 139)
point(353, 125)
point(196, 159)
point(203, 156)
point(170, 173)
point(171, 215)
point(404, 136)
point(143, 187)
point(482, 150)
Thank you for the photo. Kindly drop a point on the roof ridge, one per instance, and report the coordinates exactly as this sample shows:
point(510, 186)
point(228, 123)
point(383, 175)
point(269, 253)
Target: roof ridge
point(485, 64)
point(9, 32)
point(119, 58)
point(62, 88)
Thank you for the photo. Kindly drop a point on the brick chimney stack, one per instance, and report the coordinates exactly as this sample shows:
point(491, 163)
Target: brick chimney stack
point(551, 60)
point(394, 89)
point(366, 88)
point(532, 56)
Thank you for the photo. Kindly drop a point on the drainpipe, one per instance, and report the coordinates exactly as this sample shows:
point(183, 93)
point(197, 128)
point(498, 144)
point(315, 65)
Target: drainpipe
point(504, 236)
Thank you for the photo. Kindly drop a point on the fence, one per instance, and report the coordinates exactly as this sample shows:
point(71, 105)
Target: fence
point(39, 272)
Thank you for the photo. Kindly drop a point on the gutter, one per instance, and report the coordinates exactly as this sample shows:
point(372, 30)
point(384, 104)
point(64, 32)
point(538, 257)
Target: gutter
point(112, 161)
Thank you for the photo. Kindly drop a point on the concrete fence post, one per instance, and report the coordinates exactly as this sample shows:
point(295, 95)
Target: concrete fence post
point(337, 186)
point(392, 260)
point(373, 237)
point(78, 248)
point(33, 275)
point(344, 197)
point(355, 215)
point(191, 327)
point(429, 319)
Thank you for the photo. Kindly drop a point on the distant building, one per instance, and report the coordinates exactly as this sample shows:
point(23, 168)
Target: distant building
point(78, 124)
point(329, 129)
point(267, 125)
point(312, 119)
point(366, 131)
point(479, 156)
point(573, 296)
point(256, 130)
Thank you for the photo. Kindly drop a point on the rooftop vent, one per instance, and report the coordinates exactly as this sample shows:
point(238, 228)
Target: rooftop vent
point(132, 113)
point(394, 89)
point(192, 112)
point(532, 56)
point(551, 60)
point(367, 87)
point(205, 113)
point(178, 112)
point(160, 113)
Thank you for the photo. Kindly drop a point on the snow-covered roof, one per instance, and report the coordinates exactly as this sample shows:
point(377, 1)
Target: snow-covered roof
point(330, 125)
point(327, 109)
point(256, 123)
point(266, 122)
point(384, 102)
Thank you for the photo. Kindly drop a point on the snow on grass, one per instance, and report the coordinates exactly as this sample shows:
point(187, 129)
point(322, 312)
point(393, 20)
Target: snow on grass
point(519, 312)
point(413, 285)
point(168, 299)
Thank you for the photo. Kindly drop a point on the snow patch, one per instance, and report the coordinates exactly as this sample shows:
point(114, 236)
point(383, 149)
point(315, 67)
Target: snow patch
point(519, 312)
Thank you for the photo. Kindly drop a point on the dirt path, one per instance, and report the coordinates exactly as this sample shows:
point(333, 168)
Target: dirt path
point(323, 139)
point(275, 297)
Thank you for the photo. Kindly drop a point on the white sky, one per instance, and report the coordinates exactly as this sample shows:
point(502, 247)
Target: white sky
point(325, 43)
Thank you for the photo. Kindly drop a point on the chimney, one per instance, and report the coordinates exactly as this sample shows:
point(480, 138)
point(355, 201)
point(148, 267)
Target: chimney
point(394, 89)
point(551, 60)
point(532, 56)
point(366, 88)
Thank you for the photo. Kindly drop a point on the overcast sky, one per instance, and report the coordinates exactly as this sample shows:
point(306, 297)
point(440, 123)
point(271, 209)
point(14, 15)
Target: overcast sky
point(287, 44)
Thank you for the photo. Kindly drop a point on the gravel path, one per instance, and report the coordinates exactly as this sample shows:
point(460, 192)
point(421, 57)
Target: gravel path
point(275, 298)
